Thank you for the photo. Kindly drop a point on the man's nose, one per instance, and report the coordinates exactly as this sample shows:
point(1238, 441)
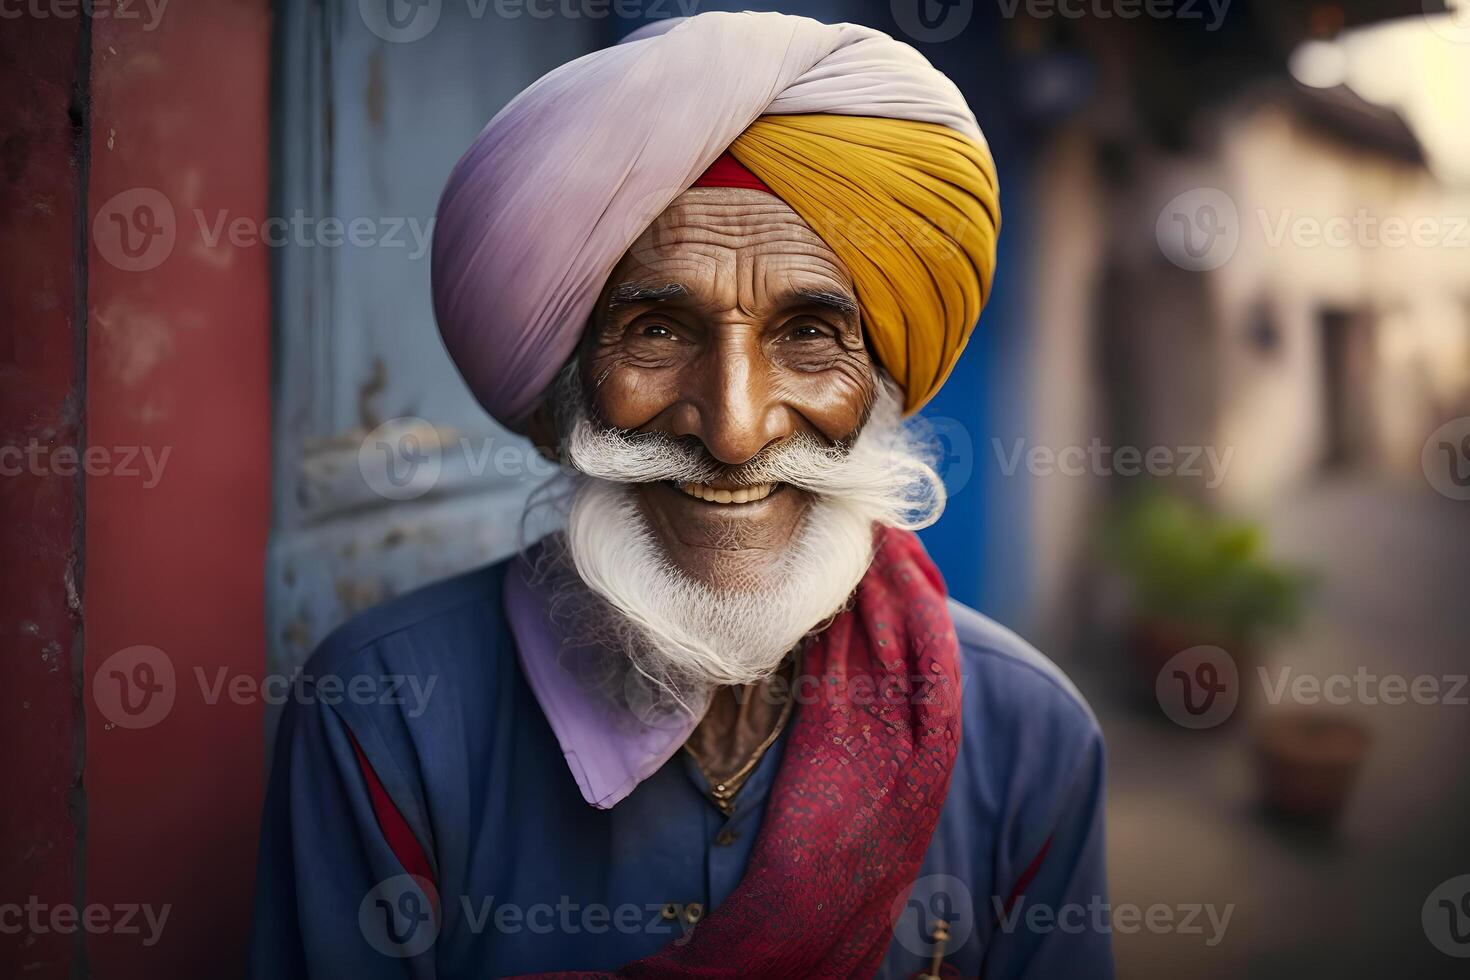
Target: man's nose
point(733, 404)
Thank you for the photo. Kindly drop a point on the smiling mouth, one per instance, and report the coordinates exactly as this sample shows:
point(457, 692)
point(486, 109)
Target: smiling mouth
point(713, 495)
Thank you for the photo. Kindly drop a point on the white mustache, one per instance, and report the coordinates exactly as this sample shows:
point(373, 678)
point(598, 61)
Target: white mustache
point(885, 473)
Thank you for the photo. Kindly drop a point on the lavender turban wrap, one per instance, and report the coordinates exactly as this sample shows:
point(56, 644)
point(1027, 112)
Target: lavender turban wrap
point(564, 179)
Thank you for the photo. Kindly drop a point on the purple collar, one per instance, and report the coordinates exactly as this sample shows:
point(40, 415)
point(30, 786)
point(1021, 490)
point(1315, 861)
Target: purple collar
point(609, 750)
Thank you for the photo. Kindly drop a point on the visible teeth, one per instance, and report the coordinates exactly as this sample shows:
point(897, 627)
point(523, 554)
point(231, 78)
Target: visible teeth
point(744, 495)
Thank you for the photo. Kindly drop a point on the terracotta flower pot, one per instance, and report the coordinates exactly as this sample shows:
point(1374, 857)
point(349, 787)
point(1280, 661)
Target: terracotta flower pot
point(1309, 761)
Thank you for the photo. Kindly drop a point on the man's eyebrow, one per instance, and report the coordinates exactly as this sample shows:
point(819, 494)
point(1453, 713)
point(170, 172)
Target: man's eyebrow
point(628, 293)
point(840, 302)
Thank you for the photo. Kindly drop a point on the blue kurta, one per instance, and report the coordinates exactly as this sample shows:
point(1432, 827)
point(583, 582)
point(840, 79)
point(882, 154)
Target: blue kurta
point(531, 878)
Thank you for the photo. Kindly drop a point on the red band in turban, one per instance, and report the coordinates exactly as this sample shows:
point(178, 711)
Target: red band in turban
point(730, 172)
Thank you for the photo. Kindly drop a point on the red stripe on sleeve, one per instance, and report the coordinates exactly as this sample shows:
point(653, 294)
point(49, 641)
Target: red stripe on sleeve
point(396, 831)
point(1023, 882)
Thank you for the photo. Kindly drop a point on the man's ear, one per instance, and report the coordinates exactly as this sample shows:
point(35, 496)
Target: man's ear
point(541, 430)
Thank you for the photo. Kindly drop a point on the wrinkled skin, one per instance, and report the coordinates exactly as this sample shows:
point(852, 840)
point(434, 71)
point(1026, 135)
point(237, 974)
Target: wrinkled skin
point(730, 321)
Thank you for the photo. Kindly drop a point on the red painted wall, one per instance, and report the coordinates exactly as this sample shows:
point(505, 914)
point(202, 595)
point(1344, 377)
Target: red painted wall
point(178, 364)
point(40, 409)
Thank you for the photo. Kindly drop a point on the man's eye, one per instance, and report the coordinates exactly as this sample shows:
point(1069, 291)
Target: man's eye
point(657, 330)
point(807, 331)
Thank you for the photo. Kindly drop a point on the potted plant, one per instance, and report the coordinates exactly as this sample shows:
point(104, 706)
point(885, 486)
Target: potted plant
point(1197, 579)
point(1308, 760)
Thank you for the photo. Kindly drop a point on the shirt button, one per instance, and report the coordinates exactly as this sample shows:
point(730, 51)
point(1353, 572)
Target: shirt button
point(725, 838)
point(693, 912)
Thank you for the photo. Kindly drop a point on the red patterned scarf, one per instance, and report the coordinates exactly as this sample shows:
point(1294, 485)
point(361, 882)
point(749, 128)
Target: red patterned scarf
point(857, 798)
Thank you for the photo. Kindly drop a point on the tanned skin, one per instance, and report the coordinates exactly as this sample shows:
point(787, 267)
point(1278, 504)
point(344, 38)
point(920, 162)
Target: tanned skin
point(730, 321)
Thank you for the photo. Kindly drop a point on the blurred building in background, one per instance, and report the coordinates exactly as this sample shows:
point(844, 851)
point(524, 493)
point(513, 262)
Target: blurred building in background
point(1277, 269)
point(1251, 259)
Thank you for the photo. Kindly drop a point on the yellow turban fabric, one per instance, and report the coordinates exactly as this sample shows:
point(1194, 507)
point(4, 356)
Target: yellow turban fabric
point(911, 208)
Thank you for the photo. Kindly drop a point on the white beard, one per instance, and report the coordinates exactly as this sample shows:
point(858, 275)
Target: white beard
point(683, 637)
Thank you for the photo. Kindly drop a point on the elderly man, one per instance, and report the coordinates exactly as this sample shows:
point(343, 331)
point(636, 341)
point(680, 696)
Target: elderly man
point(726, 723)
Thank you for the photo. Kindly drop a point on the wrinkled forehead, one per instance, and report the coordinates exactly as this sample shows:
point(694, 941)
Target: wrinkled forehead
point(711, 229)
